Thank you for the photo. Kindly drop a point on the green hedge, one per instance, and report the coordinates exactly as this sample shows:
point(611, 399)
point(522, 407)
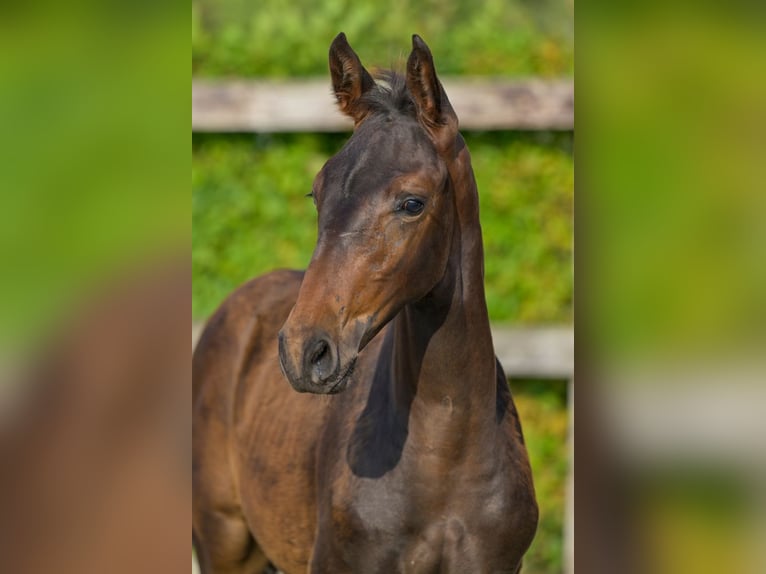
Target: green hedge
point(276, 38)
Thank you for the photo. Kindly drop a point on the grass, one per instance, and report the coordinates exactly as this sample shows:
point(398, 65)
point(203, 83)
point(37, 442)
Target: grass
point(250, 215)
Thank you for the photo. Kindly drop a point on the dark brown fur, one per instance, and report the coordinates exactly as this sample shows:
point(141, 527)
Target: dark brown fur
point(403, 451)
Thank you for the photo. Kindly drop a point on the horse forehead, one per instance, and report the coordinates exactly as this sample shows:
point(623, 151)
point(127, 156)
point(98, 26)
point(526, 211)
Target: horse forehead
point(377, 153)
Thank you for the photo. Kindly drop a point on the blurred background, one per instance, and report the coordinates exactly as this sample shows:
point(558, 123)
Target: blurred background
point(250, 175)
point(671, 346)
point(94, 287)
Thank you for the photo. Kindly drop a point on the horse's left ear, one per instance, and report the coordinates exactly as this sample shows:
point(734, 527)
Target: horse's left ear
point(434, 109)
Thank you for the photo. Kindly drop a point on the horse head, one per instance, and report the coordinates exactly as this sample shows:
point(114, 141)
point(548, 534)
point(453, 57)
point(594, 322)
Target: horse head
point(386, 217)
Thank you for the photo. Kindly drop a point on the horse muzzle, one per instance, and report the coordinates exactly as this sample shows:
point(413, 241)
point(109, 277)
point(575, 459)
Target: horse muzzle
point(313, 364)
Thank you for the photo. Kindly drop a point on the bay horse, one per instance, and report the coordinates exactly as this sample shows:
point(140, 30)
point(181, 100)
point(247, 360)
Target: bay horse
point(402, 450)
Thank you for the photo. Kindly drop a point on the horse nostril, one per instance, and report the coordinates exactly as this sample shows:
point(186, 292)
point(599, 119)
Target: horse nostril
point(321, 362)
point(320, 353)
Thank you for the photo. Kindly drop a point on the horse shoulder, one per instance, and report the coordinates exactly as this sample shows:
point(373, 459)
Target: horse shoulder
point(239, 327)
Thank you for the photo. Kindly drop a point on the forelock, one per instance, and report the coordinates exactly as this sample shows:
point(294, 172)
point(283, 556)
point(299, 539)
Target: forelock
point(390, 95)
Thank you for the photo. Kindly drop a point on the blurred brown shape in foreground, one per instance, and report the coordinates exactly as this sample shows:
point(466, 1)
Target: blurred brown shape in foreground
point(95, 443)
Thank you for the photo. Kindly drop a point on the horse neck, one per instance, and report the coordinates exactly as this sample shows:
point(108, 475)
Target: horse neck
point(442, 353)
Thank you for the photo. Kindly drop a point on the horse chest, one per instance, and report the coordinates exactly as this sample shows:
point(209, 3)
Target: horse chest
point(402, 525)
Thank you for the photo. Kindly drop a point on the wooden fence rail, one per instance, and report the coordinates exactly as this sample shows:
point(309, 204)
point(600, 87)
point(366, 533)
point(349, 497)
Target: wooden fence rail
point(308, 105)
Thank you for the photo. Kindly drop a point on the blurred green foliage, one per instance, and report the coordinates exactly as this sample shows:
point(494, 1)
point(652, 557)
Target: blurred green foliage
point(250, 215)
point(94, 110)
point(676, 184)
point(275, 38)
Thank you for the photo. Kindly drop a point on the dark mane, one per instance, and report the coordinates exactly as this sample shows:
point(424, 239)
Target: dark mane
point(390, 94)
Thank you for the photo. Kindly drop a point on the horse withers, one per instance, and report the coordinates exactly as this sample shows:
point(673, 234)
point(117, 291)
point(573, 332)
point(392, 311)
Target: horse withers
point(402, 449)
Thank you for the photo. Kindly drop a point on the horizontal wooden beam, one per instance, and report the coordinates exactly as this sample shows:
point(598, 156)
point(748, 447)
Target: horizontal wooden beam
point(533, 352)
point(308, 105)
point(708, 410)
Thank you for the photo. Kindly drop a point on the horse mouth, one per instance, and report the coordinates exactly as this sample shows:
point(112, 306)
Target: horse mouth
point(343, 379)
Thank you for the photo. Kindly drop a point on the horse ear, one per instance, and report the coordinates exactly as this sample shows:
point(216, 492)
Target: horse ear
point(350, 80)
point(434, 109)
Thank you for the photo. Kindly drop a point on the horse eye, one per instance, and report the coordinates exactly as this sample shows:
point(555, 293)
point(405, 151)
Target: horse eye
point(413, 206)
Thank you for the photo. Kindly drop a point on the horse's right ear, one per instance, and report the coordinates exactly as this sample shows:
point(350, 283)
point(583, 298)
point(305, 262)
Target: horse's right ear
point(350, 80)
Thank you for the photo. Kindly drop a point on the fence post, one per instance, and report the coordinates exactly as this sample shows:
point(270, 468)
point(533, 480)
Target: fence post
point(568, 550)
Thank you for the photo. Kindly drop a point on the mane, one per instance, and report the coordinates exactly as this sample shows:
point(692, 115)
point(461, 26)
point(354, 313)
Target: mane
point(390, 94)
